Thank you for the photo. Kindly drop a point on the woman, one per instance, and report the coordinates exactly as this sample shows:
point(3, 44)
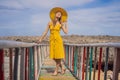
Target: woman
point(58, 21)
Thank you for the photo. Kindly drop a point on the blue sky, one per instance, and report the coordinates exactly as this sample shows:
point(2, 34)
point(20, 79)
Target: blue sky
point(86, 17)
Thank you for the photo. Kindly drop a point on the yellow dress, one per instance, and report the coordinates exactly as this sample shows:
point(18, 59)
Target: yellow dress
point(56, 43)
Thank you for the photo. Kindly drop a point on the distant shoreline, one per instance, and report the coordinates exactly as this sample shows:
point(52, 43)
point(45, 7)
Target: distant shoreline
point(67, 38)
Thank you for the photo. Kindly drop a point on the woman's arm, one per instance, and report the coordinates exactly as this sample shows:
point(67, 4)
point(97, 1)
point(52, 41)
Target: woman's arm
point(65, 27)
point(44, 33)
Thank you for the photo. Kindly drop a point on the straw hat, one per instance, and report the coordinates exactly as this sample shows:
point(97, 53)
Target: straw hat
point(58, 9)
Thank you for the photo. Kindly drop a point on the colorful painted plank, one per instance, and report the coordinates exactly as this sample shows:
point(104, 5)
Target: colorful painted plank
point(10, 64)
point(83, 63)
point(95, 61)
point(106, 63)
point(99, 64)
point(16, 63)
point(1, 64)
point(91, 57)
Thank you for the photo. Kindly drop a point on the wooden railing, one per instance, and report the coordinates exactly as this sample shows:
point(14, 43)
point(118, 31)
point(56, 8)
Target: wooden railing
point(92, 61)
point(85, 61)
point(25, 60)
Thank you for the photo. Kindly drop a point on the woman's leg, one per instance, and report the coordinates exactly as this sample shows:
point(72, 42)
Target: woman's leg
point(62, 67)
point(58, 64)
point(57, 67)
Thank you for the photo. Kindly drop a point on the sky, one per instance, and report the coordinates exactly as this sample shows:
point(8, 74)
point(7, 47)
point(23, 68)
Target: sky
point(85, 17)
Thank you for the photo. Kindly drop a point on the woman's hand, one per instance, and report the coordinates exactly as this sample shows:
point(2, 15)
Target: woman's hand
point(39, 41)
point(65, 22)
point(65, 27)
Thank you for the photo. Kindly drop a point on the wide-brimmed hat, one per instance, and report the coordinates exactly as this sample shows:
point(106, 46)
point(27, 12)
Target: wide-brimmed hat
point(58, 9)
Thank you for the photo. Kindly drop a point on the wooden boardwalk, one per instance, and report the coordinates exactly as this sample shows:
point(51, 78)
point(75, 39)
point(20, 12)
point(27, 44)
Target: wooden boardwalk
point(48, 69)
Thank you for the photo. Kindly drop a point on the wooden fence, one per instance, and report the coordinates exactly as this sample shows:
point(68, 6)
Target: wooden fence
point(91, 61)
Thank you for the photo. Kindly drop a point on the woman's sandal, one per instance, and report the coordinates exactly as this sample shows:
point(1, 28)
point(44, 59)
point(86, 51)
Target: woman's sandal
point(55, 74)
point(63, 71)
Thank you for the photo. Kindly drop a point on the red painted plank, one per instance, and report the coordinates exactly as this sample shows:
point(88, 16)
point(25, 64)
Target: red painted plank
point(83, 64)
point(1, 64)
point(26, 64)
point(99, 64)
point(10, 63)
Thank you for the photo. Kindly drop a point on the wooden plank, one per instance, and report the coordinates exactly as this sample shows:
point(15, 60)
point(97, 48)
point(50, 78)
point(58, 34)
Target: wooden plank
point(35, 63)
point(106, 63)
point(39, 53)
point(67, 54)
point(1, 64)
point(91, 56)
point(116, 67)
point(99, 64)
point(31, 64)
point(83, 65)
point(38, 59)
point(26, 64)
point(95, 61)
point(22, 64)
point(16, 64)
point(75, 59)
point(10, 64)
point(81, 61)
point(87, 63)
point(72, 61)
point(71, 58)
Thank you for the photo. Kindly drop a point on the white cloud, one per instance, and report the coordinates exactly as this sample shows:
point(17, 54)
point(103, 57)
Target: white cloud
point(42, 3)
point(11, 4)
point(99, 20)
point(104, 14)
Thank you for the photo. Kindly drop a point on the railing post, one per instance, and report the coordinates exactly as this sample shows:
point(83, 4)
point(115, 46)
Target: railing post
point(72, 58)
point(26, 64)
point(83, 63)
point(91, 57)
point(37, 60)
point(69, 57)
point(66, 60)
point(116, 66)
point(10, 63)
point(22, 64)
point(87, 63)
point(31, 64)
point(75, 59)
point(39, 54)
point(79, 62)
point(106, 63)
point(99, 64)
point(16, 63)
point(1, 64)
point(95, 61)
point(35, 63)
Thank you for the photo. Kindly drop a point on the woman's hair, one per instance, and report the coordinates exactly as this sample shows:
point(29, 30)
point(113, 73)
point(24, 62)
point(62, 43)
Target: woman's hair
point(59, 19)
